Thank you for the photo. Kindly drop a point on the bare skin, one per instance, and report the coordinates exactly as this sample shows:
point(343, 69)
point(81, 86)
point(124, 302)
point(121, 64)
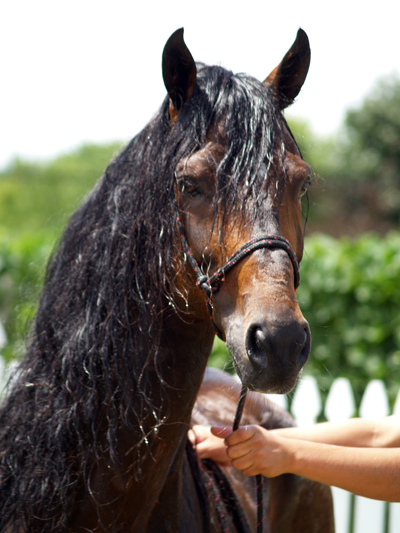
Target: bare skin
point(358, 455)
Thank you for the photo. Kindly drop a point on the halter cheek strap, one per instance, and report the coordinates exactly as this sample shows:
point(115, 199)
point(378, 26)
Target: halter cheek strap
point(212, 284)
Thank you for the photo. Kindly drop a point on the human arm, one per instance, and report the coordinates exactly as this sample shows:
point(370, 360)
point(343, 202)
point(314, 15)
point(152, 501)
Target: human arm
point(369, 472)
point(361, 464)
point(355, 432)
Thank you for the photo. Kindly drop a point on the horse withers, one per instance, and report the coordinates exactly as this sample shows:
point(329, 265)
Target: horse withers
point(177, 241)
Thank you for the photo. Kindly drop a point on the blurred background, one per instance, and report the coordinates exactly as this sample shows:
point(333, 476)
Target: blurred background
point(81, 78)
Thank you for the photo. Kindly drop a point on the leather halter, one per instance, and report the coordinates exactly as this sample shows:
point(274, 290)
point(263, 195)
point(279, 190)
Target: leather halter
point(212, 284)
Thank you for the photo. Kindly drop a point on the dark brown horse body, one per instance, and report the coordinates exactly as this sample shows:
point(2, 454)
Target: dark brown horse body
point(114, 376)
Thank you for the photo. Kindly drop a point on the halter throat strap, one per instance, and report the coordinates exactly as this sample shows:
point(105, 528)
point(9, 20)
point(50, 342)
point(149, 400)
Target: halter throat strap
point(212, 284)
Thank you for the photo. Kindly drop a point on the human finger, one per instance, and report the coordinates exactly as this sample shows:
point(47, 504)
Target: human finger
point(243, 433)
point(199, 434)
point(221, 431)
point(238, 450)
point(213, 448)
point(251, 471)
point(243, 463)
point(192, 436)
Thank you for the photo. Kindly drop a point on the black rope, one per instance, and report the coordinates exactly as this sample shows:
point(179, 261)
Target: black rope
point(225, 499)
point(239, 409)
point(270, 241)
point(259, 478)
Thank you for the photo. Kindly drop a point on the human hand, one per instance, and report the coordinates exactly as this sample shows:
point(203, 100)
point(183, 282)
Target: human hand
point(254, 450)
point(210, 444)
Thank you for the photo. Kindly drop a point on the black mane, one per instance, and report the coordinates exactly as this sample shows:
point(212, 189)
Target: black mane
point(99, 319)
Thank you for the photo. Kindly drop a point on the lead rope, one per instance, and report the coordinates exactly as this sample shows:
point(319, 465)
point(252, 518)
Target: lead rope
point(211, 285)
point(259, 478)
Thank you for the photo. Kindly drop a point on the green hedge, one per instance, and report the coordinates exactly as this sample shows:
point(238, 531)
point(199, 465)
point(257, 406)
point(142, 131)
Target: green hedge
point(349, 293)
point(34, 196)
point(22, 268)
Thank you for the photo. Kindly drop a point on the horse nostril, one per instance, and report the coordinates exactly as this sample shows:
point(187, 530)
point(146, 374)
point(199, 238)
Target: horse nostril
point(305, 349)
point(256, 342)
point(284, 344)
point(260, 336)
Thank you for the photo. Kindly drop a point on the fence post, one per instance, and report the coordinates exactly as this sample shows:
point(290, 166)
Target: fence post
point(369, 514)
point(306, 404)
point(340, 405)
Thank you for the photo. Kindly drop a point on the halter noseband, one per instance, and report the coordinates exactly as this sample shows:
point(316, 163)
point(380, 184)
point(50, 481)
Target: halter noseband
point(211, 285)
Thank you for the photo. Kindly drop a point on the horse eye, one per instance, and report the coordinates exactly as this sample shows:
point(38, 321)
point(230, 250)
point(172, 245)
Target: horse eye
point(188, 186)
point(304, 187)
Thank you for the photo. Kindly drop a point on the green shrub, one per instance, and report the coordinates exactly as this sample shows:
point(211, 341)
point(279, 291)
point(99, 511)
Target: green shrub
point(22, 267)
point(350, 294)
point(38, 196)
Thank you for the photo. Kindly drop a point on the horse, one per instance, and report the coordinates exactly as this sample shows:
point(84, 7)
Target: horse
point(93, 431)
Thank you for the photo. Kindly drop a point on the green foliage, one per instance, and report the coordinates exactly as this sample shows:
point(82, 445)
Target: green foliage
point(37, 197)
point(350, 294)
point(372, 157)
point(374, 128)
point(220, 356)
point(358, 183)
point(22, 267)
point(36, 201)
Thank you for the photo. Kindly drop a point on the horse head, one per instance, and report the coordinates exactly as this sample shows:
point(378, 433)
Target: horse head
point(244, 183)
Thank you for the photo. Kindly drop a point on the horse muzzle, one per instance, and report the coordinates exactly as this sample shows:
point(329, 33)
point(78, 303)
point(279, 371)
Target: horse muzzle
point(271, 355)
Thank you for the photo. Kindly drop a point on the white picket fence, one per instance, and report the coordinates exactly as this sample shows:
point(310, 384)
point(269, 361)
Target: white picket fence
point(353, 514)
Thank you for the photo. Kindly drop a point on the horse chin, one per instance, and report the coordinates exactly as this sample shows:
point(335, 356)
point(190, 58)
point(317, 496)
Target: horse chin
point(268, 381)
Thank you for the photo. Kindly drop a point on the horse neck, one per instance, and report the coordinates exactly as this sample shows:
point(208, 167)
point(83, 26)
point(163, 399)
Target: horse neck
point(185, 347)
point(183, 358)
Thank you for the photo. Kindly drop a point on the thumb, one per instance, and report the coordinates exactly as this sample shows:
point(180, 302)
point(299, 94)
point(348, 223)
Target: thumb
point(192, 436)
point(221, 431)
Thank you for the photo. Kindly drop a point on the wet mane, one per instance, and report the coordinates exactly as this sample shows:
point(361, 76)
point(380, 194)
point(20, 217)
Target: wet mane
point(100, 316)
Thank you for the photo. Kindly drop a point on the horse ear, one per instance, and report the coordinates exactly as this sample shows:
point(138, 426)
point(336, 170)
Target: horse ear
point(288, 77)
point(179, 73)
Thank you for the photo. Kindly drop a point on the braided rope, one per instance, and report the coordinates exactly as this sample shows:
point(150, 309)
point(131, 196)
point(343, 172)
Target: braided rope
point(259, 478)
point(225, 499)
point(270, 241)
